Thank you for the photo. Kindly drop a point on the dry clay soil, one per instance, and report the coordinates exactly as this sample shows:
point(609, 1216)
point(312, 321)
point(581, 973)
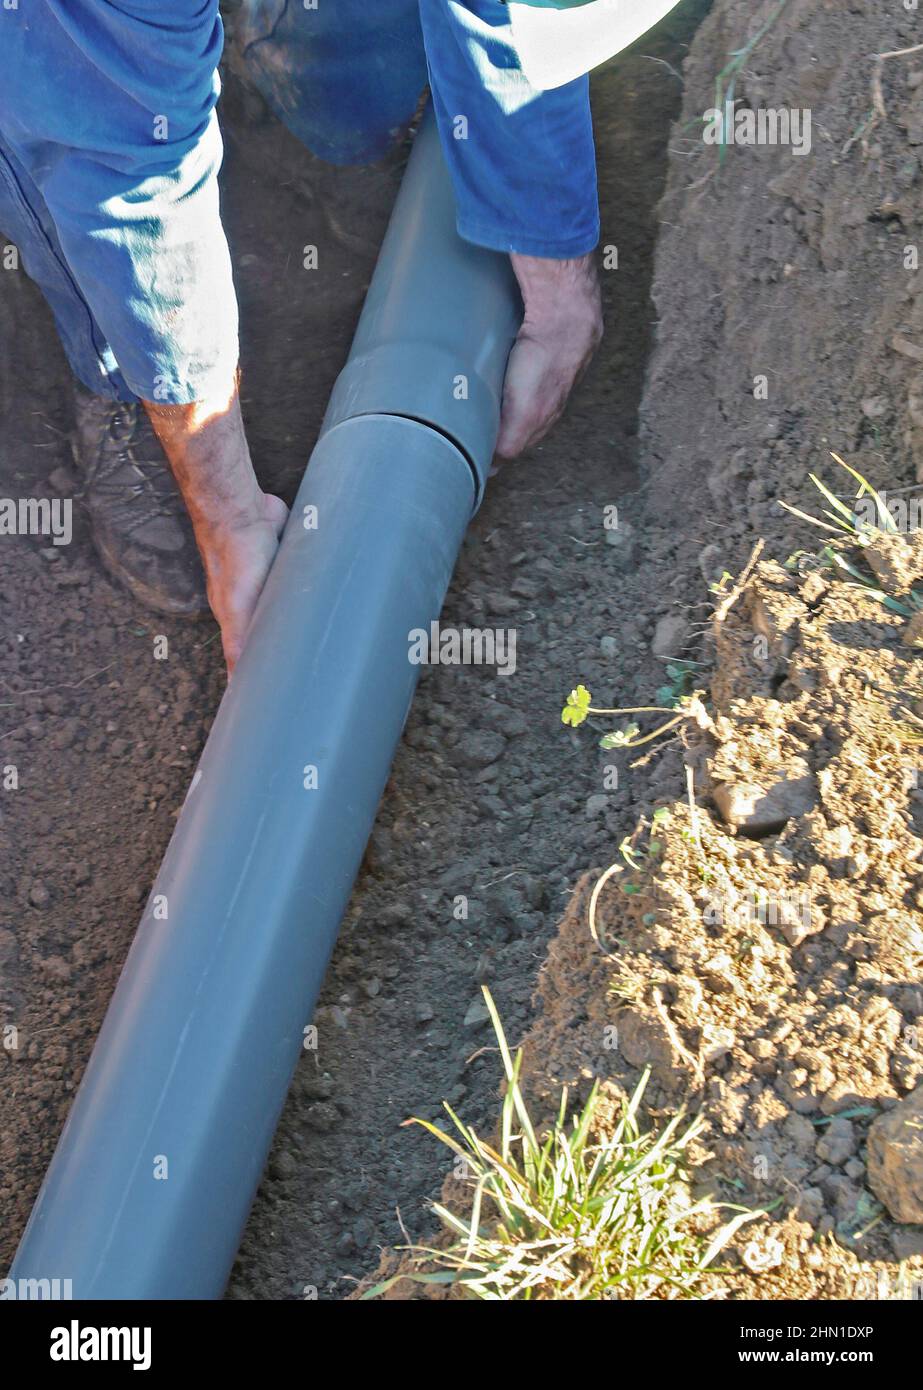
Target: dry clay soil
point(794, 1032)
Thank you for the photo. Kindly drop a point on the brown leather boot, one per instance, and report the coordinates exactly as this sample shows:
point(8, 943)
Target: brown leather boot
point(140, 524)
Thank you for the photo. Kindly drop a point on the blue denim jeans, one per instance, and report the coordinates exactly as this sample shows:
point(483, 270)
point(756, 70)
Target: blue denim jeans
point(110, 150)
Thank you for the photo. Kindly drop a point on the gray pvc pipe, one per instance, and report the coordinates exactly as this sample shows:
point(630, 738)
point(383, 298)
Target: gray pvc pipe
point(149, 1188)
point(438, 321)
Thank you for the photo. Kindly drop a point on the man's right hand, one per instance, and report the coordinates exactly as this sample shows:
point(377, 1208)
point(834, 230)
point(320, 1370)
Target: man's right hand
point(237, 560)
point(237, 526)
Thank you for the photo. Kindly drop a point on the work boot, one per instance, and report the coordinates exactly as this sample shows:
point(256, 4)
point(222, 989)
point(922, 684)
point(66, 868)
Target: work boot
point(139, 520)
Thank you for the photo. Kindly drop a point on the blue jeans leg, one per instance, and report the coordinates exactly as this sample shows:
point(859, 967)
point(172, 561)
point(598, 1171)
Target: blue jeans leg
point(344, 77)
point(25, 220)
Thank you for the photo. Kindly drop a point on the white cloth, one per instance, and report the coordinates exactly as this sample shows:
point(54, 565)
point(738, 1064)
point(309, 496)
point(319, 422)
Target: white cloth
point(555, 46)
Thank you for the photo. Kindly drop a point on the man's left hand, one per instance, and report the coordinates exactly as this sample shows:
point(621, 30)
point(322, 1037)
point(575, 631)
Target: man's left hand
point(560, 332)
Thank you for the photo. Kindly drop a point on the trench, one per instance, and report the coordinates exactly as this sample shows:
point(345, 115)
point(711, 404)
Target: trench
point(484, 827)
point(476, 852)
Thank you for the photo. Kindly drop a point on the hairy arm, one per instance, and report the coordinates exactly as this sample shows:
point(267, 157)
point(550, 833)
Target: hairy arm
point(237, 525)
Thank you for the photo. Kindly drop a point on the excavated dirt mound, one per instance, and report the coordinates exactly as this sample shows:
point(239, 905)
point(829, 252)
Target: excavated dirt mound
point(764, 964)
point(769, 974)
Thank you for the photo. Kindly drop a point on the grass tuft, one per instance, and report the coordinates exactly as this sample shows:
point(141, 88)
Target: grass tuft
point(571, 1216)
point(850, 530)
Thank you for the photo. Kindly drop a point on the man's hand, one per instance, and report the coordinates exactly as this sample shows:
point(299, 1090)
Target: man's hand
point(560, 332)
point(237, 525)
point(237, 558)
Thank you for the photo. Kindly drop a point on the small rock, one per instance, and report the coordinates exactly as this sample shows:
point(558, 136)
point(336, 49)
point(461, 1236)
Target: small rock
point(423, 1013)
point(810, 1205)
point(761, 810)
point(895, 562)
point(624, 541)
point(57, 967)
point(283, 1165)
point(533, 890)
point(502, 605)
point(525, 588)
point(394, 914)
point(315, 1085)
point(906, 348)
point(797, 921)
point(814, 587)
point(479, 747)
point(800, 1133)
point(608, 646)
point(477, 1013)
point(838, 1143)
point(512, 723)
point(670, 635)
point(71, 579)
point(379, 854)
point(842, 1095)
point(907, 1242)
point(363, 1231)
point(711, 562)
point(644, 1040)
point(458, 877)
point(716, 1043)
point(39, 895)
point(322, 1116)
point(895, 1159)
point(597, 805)
point(912, 635)
point(63, 736)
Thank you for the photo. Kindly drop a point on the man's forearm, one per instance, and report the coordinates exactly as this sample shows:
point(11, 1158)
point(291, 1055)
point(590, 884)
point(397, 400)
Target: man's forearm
point(236, 524)
point(210, 458)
